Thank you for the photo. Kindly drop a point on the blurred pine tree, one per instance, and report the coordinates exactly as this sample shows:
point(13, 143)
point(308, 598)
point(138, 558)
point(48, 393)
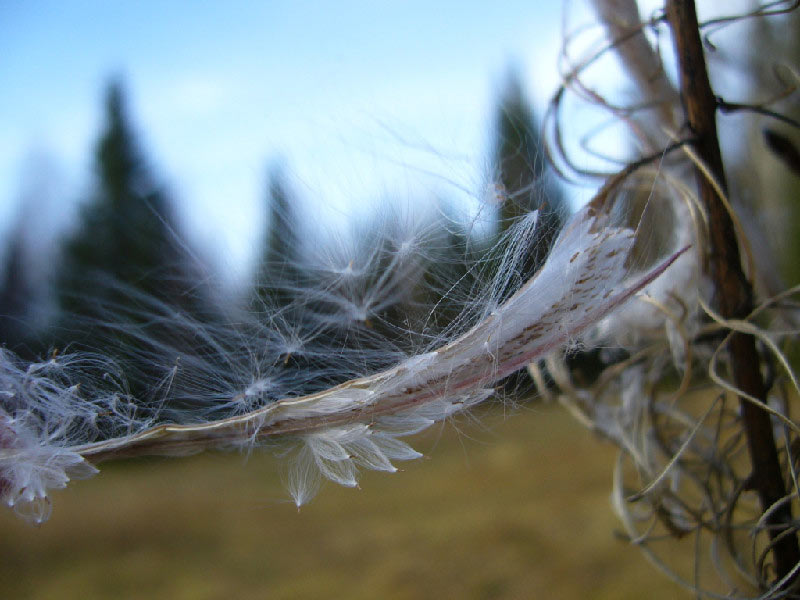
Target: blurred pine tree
point(521, 169)
point(125, 262)
point(524, 185)
point(16, 291)
point(126, 229)
point(278, 271)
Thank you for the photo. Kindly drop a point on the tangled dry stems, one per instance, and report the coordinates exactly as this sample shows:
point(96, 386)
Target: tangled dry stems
point(683, 478)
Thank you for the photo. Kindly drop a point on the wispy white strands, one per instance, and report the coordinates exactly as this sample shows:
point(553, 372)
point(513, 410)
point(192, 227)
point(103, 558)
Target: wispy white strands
point(670, 222)
point(43, 412)
point(60, 416)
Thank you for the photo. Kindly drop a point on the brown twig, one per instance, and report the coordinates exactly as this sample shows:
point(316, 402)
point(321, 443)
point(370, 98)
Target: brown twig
point(732, 291)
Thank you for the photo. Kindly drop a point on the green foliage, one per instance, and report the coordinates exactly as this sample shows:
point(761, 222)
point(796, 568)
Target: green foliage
point(521, 169)
point(126, 230)
point(278, 272)
point(16, 291)
point(124, 266)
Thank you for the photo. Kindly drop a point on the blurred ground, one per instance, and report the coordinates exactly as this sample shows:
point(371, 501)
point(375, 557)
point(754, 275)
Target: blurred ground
point(504, 508)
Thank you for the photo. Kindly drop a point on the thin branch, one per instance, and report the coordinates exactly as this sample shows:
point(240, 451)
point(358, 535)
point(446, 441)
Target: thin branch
point(729, 107)
point(732, 291)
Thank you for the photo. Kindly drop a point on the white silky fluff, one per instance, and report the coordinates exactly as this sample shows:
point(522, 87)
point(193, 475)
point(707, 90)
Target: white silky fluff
point(59, 415)
point(674, 298)
point(336, 453)
point(47, 408)
point(30, 468)
point(584, 275)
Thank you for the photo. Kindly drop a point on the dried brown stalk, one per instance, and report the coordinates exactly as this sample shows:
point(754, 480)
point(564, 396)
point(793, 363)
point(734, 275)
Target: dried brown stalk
point(733, 292)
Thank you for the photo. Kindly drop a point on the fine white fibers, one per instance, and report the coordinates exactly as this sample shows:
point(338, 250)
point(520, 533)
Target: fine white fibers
point(58, 415)
point(668, 303)
point(29, 468)
point(45, 408)
point(335, 453)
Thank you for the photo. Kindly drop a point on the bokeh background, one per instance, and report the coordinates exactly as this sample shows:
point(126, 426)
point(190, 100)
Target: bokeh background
point(359, 101)
point(516, 506)
point(200, 125)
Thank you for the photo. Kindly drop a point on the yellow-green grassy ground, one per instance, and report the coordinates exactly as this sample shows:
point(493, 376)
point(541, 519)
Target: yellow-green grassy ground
point(513, 507)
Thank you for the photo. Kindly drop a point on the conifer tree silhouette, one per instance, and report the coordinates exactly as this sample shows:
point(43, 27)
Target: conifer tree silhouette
point(125, 261)
point(16, 293)
point(521, 168)
point(278, 269)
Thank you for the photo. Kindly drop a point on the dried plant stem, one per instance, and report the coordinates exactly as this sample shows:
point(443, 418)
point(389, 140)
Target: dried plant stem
point(457, 370)
point(641, 61)
point(732, 291)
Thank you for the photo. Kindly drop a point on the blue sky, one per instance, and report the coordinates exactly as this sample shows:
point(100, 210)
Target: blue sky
point(360, 100)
